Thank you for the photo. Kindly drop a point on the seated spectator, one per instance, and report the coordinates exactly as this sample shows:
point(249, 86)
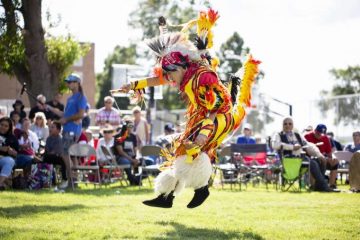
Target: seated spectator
point(355, 146)
point(106, 141)
point(246, 138)
point(166, 139)
point(290, 143)
point(28, 146)
point(15, 117)
point(40, 107)
point(56, 103)
point(307, 129)
point(108, 114)
point(8, 150)
point(19, 108)
point(54, 149)
point(39, 127)
point(318, 137)
point(125, 148)
point(335, 145)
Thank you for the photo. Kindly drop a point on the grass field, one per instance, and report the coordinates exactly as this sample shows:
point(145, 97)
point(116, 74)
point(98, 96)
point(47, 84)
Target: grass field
point(117, 213)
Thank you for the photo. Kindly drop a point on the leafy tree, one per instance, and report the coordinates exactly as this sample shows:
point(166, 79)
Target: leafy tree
point(145, 17)
point(230, 57)
point(121, 55)
point(24, 52)
point(347, 82)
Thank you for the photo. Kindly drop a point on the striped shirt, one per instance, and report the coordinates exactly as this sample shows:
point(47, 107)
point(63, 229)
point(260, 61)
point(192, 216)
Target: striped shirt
point(111, 117)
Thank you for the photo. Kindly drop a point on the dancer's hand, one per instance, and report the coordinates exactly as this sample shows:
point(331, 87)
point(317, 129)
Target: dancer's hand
point(123, 89)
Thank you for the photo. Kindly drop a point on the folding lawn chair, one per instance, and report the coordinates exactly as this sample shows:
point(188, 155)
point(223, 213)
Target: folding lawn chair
point(292, 171)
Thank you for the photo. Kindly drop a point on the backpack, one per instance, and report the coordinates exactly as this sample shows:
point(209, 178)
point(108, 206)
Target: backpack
point(41, 175)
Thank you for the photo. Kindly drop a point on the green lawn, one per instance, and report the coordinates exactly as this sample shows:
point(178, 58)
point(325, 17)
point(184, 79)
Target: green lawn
point(117, 213)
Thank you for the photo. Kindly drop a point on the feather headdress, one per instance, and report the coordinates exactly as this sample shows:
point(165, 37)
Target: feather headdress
point(173, 42)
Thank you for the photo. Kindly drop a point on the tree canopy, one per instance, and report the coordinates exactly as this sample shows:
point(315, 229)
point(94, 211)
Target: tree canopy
point(25, 52)
point(346, 108)
point(120, 55)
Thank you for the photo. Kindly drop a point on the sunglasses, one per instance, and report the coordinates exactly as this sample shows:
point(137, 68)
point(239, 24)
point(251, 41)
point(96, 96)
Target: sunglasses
point(287, 124)
point(108, 132)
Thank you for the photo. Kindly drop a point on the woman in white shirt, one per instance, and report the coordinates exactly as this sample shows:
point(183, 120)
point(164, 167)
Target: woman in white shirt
point(39, 127)
point(106, 141)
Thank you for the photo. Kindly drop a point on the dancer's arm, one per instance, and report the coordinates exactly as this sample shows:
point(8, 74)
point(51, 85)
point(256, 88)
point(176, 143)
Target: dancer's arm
point(140, 84)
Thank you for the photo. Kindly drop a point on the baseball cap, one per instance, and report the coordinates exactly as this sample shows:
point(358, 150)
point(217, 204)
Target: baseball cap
point(247, 126)
point(73, 78)
point(321, 128)
point(169, 127)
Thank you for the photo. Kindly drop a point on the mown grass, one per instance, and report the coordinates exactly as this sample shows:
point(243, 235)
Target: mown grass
point(117, 213)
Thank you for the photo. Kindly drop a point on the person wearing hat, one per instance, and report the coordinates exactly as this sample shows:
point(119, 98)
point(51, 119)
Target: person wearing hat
point(19, 108)
point(125, 149)
point(71, 117)
point(166, 139)
point(107, 141)
point(322, 141)
point(246, 138)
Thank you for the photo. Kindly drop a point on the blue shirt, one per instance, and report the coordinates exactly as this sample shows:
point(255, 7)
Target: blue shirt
point(245, 140)
point(74, 104)
point(352, 148)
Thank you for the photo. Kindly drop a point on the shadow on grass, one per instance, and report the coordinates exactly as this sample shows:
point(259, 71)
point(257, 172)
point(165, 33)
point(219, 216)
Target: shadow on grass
point(26, 210)
point(110, 191)
point(181, 231)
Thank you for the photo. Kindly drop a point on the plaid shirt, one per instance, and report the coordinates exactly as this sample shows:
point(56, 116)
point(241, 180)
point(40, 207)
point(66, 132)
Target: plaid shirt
point(111, 117)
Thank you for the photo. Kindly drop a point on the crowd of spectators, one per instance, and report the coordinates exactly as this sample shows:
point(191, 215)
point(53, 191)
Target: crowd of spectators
point(51, 127)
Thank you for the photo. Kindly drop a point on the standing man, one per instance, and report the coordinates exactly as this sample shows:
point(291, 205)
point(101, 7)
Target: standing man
point(318, 137)
point(72, 117)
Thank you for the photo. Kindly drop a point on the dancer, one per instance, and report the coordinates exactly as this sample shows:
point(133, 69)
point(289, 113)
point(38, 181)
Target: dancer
point(214, 110)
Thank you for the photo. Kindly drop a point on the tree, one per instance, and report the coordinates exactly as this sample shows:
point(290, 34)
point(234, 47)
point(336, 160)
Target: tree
point(230, 57)
point(121, 55)
point(24, 52)
point(145, 17)
point(347, 82)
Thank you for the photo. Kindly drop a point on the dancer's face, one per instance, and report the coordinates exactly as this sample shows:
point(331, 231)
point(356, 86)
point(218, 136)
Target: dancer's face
point(176, 76)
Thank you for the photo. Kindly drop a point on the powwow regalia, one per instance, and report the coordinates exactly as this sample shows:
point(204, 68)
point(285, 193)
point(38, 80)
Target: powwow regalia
point(214, 110)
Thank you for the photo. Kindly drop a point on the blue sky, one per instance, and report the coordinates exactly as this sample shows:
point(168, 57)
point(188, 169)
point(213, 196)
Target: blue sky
point(298, 41)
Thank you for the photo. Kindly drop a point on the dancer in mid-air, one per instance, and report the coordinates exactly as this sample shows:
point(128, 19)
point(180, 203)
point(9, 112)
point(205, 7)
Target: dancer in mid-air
point(214, 110)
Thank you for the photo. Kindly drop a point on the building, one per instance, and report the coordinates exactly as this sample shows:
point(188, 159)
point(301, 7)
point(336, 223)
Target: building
point(85, 67)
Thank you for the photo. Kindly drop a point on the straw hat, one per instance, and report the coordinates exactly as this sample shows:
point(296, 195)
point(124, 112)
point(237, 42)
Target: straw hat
point(107, 128)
